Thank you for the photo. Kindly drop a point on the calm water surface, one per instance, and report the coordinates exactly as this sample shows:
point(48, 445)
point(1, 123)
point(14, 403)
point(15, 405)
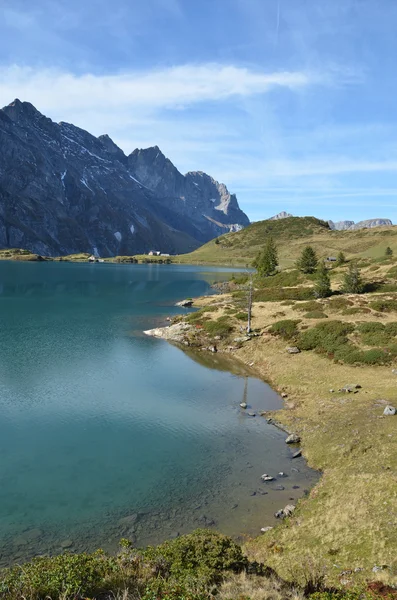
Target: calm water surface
point(106, 433)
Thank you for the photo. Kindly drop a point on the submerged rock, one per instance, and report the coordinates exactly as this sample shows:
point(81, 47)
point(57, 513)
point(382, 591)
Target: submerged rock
point(243, 404)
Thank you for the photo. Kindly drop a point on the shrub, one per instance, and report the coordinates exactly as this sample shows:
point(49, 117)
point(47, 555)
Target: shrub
point(202, 552)
point(388, 252)
point(355, 310)
point(277, 294)
point(340, 259)
point(67, 575)
point(338, 303)
point(306, 306)
point(242, 316)
point(221, 326)
point(384, 305)
point(315, 314)
point(326, 337)
point(287, 329)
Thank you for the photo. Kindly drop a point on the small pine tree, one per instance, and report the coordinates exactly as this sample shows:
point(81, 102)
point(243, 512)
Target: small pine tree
point(388, 252)
point(267, 261)
point(307, 262)
point(341, 259)
point(322, 288)
point(352, 282)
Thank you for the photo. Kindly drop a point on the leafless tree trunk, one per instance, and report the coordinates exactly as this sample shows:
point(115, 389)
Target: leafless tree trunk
point(249, 304)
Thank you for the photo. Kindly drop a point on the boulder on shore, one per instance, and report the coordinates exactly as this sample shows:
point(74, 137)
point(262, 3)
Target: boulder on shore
point(185, 303)
point(293, 439)
point(389, 411)
point(174, 333)
point(293, 350)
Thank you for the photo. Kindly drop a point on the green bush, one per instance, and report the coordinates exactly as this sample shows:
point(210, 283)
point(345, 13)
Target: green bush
point(307, 306)
point(339, 303)
point(315, 314)
point(242, 316)
point(203, 553)
point(356, 310)
point(287, 329)
point(221, 326)
point(384, 305)
point(278, 294)
point(67, 574)
point(326, 337)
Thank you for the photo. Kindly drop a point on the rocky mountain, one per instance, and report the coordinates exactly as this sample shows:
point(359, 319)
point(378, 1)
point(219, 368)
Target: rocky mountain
point(281, 215)
point(63, 190)
point(345, 225)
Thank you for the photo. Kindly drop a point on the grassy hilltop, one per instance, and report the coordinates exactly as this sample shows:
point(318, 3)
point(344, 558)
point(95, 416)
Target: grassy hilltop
point(291, 235)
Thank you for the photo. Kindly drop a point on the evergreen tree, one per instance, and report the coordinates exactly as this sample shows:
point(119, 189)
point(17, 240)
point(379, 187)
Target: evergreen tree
point(388, 252)
point(307, 262)
point(341, 259)
point(352, 282)
point(266, 262)
point(322, 288)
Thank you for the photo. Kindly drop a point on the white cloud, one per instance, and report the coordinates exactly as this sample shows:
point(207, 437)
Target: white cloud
point(54, 90)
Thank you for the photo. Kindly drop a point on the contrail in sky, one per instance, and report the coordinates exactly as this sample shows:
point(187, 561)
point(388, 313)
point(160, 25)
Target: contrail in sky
point(278, 21)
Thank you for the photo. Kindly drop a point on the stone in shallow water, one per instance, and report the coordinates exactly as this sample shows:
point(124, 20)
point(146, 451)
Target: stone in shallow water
point(66, 544)
point(27, 536)
point(293, 439)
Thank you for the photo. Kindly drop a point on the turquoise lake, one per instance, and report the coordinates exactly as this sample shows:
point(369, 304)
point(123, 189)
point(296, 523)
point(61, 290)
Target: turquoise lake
point(107, 433)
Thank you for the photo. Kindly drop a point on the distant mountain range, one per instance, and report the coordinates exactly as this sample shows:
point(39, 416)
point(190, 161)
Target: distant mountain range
point(63, 190)
point(344, 225)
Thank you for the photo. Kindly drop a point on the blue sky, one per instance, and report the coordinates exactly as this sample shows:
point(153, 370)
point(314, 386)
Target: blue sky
point(291, 103)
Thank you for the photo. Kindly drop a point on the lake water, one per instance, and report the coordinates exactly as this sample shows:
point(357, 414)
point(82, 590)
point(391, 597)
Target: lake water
point(106, 433)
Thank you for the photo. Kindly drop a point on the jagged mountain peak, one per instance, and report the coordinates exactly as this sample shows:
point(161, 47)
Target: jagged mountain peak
point(63, 190)
point(111, 146)
point(18, 110)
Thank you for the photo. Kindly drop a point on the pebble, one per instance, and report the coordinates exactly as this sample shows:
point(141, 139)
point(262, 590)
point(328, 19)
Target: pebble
point(266, 477)
point(265, 529)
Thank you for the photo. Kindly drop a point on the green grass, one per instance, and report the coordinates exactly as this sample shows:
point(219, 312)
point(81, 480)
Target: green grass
point(291, 235)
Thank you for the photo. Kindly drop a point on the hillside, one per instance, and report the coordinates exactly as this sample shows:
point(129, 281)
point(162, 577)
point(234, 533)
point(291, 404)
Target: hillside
point(291, 235)
point(65, 191)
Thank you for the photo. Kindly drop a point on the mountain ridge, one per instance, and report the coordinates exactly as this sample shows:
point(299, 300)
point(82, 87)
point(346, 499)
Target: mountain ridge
point(63, 190)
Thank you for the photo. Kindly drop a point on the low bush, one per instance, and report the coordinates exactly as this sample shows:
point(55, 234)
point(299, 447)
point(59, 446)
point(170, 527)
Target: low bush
point(356, 310)
point(327, 337)
point(307, 306)
point(69, 575)
point(339, 303)
point(315, 314)
point(221, 326)
point(241, 316)
point(384, 305)
point(287, 329)
point(203, 553)
point(278, 294)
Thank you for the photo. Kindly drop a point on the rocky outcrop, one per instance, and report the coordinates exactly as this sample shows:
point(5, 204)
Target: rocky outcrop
point(351, 225)
point(281, 215)
point(215, 212)
point(63, 190)
point(174, 333)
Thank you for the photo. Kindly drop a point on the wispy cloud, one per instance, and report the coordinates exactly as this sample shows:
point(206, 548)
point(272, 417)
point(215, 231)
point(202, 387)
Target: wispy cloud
point(165, 88)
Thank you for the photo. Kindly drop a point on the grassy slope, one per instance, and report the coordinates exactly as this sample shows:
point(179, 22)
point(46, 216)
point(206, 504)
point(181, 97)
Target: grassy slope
point(291, 235)
point(349, 518)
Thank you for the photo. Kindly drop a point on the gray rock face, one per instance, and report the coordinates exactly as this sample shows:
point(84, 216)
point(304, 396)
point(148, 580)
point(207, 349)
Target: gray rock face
point(281, 215)
point(62, 190)
point(216, 211)
point(369, 223)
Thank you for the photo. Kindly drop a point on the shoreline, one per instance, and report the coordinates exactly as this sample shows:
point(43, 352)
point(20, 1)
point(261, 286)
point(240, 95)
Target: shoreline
point(349, 487)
